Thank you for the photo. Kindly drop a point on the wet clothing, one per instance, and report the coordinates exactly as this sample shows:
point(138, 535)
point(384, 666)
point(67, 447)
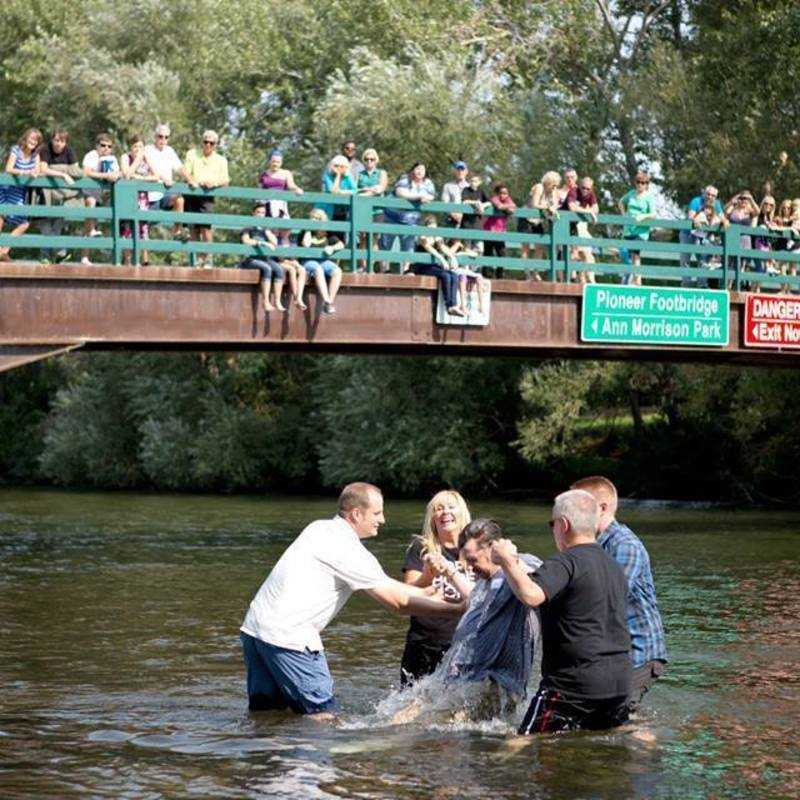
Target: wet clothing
point(279, 678)
point(551, 712)
point(586, 668)
point(497, 637)
point(643, 679)
point(643, 618)
point(428, 638)
point(585, 636)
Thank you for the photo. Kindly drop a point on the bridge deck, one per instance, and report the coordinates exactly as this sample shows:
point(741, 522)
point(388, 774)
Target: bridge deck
point(46, 308)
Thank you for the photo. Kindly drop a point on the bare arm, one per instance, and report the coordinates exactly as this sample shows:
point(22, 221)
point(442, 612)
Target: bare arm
point(504, 553)
point(407, 600)
point(290, 184)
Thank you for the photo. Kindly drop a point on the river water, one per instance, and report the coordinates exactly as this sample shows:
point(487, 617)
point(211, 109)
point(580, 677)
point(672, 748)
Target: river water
point(122, 675)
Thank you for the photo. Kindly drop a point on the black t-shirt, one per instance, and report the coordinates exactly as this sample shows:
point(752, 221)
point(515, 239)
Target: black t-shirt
point(435, 629)
point(66, 156)
point(468, 193)
point(585, 636)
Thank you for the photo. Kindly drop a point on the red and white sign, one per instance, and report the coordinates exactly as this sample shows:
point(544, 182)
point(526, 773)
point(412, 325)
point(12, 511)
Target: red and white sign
point(772, 320)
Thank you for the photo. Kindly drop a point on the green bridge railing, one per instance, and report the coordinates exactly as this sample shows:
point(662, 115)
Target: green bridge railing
point(661, 256)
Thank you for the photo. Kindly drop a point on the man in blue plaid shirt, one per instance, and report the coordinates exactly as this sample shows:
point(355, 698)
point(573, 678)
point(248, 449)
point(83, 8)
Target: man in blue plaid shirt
point(648, 646)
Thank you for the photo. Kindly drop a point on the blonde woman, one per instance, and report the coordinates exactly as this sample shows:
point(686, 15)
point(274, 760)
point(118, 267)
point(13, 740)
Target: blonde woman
point(544, 196)
point(429, 638)
point(319, 270)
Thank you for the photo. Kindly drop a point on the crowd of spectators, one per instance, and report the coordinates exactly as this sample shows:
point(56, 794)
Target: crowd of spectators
point(492, 209)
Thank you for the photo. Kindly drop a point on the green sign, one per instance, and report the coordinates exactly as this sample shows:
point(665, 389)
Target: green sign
point(654, 315)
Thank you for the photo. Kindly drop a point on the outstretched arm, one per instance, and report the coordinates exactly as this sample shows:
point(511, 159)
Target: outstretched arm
point(404, 599)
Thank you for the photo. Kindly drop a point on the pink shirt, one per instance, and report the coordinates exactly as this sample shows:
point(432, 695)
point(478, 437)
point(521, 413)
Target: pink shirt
point(499, 222)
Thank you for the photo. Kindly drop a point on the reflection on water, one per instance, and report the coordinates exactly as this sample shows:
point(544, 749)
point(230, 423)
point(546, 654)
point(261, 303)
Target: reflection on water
point(122, 675)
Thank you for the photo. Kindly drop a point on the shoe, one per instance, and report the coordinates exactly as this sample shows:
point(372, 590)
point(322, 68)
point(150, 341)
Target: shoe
point(86, 262)
point(328, 308)
point(94, 233)
point(61, 255)
point(184, 235)
point(44, 262)
point(5, 257)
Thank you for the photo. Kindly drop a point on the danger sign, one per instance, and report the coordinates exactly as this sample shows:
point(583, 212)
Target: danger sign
point(772, 321)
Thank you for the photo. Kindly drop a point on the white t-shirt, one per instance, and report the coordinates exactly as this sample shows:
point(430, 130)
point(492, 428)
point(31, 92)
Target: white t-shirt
point(164, 163)
point(312, 580)
point(96, 163)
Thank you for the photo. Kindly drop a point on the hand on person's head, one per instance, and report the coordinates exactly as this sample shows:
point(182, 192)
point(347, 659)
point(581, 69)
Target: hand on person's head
point(503, 551)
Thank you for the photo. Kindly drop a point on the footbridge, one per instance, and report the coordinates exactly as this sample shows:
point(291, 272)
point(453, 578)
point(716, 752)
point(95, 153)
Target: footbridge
point(538, 305)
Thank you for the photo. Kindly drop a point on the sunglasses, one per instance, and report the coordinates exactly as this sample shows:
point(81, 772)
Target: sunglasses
point(370, 158)
point(642, 183)
point(208, 141)
point(162, 136)
point(105, 144)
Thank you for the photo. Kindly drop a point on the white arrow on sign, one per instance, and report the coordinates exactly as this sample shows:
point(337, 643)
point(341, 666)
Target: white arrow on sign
point(594, 326)
point(755, 332)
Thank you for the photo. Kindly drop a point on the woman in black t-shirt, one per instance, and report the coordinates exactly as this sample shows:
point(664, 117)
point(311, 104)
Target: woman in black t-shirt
point(428, 638)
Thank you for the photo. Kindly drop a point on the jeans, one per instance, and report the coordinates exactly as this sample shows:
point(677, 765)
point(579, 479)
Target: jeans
point(50, 226)
point(328, 267)
point(448, 280)
point(268, 267)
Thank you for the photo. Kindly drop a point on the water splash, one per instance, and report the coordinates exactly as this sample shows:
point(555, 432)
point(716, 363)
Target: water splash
point(432, 704)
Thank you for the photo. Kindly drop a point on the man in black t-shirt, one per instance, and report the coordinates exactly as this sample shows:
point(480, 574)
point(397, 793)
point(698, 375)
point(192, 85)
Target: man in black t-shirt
point(586, 668)
point(56, 159)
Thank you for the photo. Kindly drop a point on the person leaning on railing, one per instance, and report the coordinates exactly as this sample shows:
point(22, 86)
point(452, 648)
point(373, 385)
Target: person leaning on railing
point(102, 165)
point(276, 178)
point(58, 160)
point(209, 170)
point(337, 180)
point(503, 207)
point(585, 203)
point(742, 210)
point(544, 196)
point(166, 163)
point(416, 186)
point(135, 167)
point(23, 160)
point(372, 182)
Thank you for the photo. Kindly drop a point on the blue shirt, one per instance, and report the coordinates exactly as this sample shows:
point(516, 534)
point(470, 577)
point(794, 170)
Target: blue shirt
point(345, 185)
point(697, 204)
point(426, 190)
point(644, 620)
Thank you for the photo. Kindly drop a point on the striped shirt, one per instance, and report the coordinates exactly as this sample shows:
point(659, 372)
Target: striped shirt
point(644, 620)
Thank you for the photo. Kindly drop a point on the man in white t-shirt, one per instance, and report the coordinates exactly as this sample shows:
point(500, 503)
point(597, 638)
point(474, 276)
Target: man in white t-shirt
point(102, 165)
point(310, 583)
point(165, 163)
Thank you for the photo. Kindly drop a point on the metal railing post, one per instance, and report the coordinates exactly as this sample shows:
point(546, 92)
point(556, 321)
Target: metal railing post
point(725, 256)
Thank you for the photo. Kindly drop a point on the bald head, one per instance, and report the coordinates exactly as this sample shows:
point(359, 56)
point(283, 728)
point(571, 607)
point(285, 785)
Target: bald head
point(606, 495)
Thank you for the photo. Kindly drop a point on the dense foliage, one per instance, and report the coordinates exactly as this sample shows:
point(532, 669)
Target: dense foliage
point(696, 90)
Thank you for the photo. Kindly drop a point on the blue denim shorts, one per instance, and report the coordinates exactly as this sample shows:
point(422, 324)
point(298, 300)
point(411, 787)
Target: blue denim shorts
point(328, 267)
point(278, 678)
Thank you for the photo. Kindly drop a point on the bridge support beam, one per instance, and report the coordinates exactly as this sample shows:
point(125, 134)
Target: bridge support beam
point(50, 309)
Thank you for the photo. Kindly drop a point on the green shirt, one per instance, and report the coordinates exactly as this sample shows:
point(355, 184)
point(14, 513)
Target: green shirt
point(637, 204)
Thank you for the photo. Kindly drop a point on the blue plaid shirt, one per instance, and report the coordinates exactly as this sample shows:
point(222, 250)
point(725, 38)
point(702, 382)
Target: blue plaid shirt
point(644, 621)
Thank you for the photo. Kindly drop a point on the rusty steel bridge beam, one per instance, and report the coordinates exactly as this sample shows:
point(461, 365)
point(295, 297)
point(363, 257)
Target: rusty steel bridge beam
point(177, 308)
